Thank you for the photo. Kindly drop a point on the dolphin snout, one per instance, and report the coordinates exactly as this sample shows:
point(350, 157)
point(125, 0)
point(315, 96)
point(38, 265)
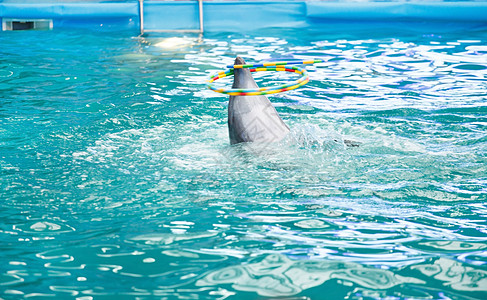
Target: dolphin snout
point(239, 61)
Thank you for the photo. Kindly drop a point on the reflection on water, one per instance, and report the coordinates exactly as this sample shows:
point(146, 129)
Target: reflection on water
point(455, 245)
point(276, 275)
point(166, 239)
point(455, 275)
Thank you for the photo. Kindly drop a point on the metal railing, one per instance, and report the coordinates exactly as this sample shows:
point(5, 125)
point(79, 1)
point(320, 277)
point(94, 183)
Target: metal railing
point(141, 21)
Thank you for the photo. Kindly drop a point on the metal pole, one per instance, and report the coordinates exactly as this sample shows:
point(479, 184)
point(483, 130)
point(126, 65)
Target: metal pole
point(141, 16)
point(200, 7)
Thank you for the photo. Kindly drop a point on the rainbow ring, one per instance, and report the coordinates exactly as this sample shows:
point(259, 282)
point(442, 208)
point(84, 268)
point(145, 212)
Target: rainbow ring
point(272, 66)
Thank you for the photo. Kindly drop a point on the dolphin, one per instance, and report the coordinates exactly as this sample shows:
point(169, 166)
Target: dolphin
point(252, 118)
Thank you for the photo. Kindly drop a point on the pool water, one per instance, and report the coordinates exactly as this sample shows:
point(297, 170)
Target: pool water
point(118, 181)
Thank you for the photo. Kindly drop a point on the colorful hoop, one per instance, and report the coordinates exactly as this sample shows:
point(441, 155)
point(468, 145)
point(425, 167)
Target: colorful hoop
point(281, 66)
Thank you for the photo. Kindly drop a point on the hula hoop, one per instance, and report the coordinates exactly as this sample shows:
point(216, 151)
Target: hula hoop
point(281, 66)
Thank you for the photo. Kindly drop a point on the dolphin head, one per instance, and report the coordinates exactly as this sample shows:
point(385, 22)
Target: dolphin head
point(242, 78)
point(252, 118)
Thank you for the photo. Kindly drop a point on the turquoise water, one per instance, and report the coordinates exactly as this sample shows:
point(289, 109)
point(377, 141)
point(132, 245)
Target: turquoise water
point(118, 181)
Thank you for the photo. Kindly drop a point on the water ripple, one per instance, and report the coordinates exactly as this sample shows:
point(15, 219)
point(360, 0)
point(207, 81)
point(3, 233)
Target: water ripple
point(277, 276)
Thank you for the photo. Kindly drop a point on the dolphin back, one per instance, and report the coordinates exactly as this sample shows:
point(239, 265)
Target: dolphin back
point(252, 118)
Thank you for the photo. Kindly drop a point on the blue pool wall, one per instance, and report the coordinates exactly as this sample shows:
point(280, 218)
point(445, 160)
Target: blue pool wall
point(237, 15)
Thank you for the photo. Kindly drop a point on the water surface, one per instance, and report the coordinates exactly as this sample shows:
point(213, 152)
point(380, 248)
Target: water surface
point(118, 180)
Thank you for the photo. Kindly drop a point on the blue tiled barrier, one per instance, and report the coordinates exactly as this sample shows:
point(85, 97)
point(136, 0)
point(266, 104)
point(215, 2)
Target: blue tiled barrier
point(448, 11)
point(238, 15)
